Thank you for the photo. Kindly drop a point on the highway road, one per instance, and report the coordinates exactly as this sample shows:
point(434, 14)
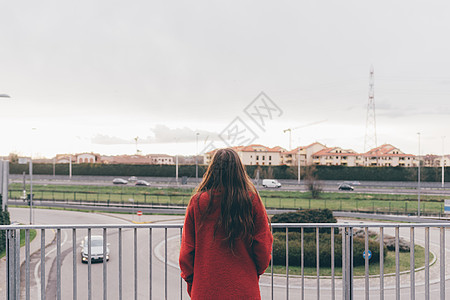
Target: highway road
point(143, 287)
point(382, 187)
point(67, 217)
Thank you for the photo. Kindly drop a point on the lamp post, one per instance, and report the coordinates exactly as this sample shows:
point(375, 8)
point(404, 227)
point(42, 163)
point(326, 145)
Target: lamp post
point(4, 172)
point(418, 180)
point(298, 165)
point(443, 161)
point(31, 189)
point(31, 180)
point(70, 166)
point(196, 157)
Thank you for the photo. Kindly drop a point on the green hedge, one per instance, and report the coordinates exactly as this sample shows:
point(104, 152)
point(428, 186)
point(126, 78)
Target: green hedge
point(278, 172)
point(309, 248)
point(305, 216)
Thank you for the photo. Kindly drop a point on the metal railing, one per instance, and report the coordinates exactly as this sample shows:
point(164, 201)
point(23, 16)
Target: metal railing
point(144, 262)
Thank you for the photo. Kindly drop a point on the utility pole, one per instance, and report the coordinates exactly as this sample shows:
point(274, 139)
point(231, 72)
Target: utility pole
point(418, 181)
point(31, 189)
point(176, 168)
point(443, 161)
point(370, 139)
point(70, 166)
point(299, 155)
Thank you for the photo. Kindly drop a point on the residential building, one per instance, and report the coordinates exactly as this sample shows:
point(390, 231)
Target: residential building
point(388, 156)
point(260, 155)
point(85, 158)
point(65, 158)
point(290, 158)
point(161, 159)
point(255, 155)
point(337, 156)
point(432, 160)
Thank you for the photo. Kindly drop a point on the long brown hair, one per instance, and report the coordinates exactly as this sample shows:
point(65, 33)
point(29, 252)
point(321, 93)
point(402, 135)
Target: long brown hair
point(227, 174)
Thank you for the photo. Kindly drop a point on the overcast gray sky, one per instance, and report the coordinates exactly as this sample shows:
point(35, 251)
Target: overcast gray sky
point(93, 75)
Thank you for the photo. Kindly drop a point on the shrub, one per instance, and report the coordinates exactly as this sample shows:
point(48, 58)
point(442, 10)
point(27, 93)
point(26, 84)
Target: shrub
point(305, 216)
point(309, 248)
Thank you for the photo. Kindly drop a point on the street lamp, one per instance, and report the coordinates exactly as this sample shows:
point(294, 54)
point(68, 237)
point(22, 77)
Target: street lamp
point(4, 172)
point(418, 181)
point(298, 165)
point(31, 180)
point(443, 161)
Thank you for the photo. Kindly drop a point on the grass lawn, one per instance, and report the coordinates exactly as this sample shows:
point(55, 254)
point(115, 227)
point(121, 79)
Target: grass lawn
point(352, 201)
point(22, 239)
point(374, 269)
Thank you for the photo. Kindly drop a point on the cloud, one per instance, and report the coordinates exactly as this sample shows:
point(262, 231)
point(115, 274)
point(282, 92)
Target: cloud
point(164, 134)
point(103, 139)
point(414, 111)
point(161, 134)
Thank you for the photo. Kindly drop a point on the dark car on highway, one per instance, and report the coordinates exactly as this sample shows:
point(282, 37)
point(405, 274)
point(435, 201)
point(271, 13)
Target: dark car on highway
point(345, 187)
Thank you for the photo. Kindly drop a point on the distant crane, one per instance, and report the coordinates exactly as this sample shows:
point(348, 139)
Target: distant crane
point(298, 127)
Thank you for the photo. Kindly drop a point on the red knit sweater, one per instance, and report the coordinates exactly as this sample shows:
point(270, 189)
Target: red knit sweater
point(207, 264)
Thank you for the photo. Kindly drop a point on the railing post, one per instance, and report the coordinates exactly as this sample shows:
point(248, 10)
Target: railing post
point(347, 264)
point(10, 265)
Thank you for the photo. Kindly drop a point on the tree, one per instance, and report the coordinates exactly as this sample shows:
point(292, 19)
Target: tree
point(13, 158)
point(312, 182)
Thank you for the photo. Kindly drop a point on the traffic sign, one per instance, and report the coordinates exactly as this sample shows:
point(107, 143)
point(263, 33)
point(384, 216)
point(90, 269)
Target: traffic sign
point(447, 206)
point(139, 212)
point(370, 254)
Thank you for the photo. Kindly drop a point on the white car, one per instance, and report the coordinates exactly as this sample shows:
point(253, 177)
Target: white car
point(271, 183)
point(142, 183)
point(119, 181)
point(96, 249)
point(132, 178)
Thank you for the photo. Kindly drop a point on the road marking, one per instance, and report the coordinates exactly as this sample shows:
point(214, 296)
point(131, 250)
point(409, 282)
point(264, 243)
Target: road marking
point(37, 278)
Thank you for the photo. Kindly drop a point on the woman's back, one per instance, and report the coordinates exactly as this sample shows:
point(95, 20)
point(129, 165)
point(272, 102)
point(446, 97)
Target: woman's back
point(226, 242)
point(219, 272)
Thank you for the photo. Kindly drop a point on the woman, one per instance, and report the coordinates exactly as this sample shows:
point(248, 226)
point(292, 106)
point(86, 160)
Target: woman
point(226, 241)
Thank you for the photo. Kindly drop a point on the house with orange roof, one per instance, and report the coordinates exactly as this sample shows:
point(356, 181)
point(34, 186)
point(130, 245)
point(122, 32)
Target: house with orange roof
point(260, 155)
point(432, 160)
point(337, 156)
point(161, 159)
point(207, 157)
point(304, 153)
point(318, 154)
point(87, 158)
point(65, 158)
point(388, 156)
point(254, 154)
